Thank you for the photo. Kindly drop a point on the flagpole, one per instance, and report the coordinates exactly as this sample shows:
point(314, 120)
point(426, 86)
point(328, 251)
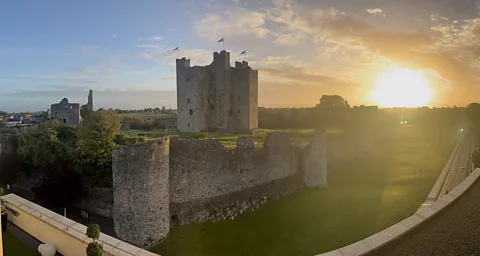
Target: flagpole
point(223, 43)
point(245, 56)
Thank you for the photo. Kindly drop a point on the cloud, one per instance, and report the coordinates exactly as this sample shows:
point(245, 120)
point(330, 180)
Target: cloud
point(245, 25)
point(157, 38)
point(376, 12)
point(114, 35)
point(148, 46)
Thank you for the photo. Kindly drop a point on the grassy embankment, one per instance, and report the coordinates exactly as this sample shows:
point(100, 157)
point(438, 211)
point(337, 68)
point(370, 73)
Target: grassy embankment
point(363, 197)
point(13, 247)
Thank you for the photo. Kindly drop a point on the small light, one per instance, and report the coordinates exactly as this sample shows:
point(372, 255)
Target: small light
point(401, 122)
point(461, 130)
point(405, 122)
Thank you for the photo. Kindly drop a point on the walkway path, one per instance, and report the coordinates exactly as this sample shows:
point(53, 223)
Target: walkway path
point(455, 231)
point(25, 238)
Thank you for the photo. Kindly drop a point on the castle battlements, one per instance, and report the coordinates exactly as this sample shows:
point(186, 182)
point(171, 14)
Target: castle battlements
point(217, 97)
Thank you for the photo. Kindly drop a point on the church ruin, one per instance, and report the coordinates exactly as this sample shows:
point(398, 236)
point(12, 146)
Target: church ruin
point(71, 113)
point(217, 97)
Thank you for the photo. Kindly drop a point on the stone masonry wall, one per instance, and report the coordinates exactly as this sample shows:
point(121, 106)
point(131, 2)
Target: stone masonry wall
point(206, 178)
point(172, 182)
point(99, 201)
point(315, 161)
point(141, 192)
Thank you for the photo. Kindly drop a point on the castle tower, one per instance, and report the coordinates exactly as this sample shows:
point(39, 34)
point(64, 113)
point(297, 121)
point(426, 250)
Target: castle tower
point(90, 101)
point(141, 212)
point(217, 97)
point(220, 92)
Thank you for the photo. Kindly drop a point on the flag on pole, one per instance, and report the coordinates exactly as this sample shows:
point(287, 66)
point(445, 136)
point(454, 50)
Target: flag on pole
point(244, 52)
point(221, 40)
point(176, 48)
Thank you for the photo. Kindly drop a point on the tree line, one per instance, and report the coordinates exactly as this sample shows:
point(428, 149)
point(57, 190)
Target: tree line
point(65, 160)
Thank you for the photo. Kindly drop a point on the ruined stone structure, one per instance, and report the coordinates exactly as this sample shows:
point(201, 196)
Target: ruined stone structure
point(174, 181)
point(70, 113)
point(217, 97)
point(89, 106)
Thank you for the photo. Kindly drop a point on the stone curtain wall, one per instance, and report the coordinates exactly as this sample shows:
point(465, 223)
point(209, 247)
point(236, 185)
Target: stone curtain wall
point(315, 161)
point(99, 201)
point(140, 191)
point(173, 181)
point(208, 181)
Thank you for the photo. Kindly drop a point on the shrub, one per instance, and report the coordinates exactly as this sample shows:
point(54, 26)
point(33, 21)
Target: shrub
point(93, 231)
point(94, 249)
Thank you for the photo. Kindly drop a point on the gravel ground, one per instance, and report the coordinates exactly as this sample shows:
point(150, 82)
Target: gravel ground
point(456, 231)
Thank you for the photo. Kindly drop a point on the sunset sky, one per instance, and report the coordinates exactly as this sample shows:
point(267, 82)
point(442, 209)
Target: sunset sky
point(302, 49)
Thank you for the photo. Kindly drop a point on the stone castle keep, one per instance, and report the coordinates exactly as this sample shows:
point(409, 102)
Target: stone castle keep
point(173, 181)
point(217, 97)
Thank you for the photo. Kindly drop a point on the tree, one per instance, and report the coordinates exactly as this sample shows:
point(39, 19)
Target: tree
point(332, 111)
point(93, 231)
point(95, 141)
point(94, 248)
point(50, 124)
point(40, 150)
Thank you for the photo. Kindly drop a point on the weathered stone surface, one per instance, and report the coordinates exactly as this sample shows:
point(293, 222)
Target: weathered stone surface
point(157, 185)
point(140, 190)
point(217, 97)
point(99, 201)
point(315, 161)
point(204, 171)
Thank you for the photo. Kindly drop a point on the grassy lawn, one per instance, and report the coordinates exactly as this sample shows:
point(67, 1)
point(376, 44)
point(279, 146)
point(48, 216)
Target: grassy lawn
point(363, 197)
point(300, 136)
point(146, 115)
point(13, 247)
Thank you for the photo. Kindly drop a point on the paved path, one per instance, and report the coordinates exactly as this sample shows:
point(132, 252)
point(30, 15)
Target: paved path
point(461, 167)
point(25, 238)
point(455, 231)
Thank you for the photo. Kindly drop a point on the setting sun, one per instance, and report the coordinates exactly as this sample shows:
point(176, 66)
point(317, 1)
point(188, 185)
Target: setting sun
point(402, 88)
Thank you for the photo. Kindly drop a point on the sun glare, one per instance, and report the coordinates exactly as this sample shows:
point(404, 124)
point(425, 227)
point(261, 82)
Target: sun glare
point(402, 88)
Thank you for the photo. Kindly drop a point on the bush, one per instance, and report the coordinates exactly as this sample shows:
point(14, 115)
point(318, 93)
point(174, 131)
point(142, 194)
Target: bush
point(93, 231)
point(94, 249)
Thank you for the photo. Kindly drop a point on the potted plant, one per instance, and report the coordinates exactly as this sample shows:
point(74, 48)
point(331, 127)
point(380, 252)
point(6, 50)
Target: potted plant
point(94, 248)
point(3, 212)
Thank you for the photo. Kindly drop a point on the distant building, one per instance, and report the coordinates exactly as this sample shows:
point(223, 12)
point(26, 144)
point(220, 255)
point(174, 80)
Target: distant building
point(67, 113)
point(170, 123)
point(15, 120)
point(125, 125)
point(71, 113)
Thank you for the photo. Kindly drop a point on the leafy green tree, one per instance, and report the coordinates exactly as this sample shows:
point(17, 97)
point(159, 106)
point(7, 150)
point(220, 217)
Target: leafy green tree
point(94, 249)
point(93, 231)
point(50, 124)
point(95, 140)
point(40, 150)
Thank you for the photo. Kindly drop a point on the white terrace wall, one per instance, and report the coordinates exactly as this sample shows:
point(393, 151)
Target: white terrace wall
point(67, 235)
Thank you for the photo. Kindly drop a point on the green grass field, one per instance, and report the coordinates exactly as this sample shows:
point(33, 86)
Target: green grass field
point(146, 116)
point(301, 136)
point(362, 198)
point(13, 247)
